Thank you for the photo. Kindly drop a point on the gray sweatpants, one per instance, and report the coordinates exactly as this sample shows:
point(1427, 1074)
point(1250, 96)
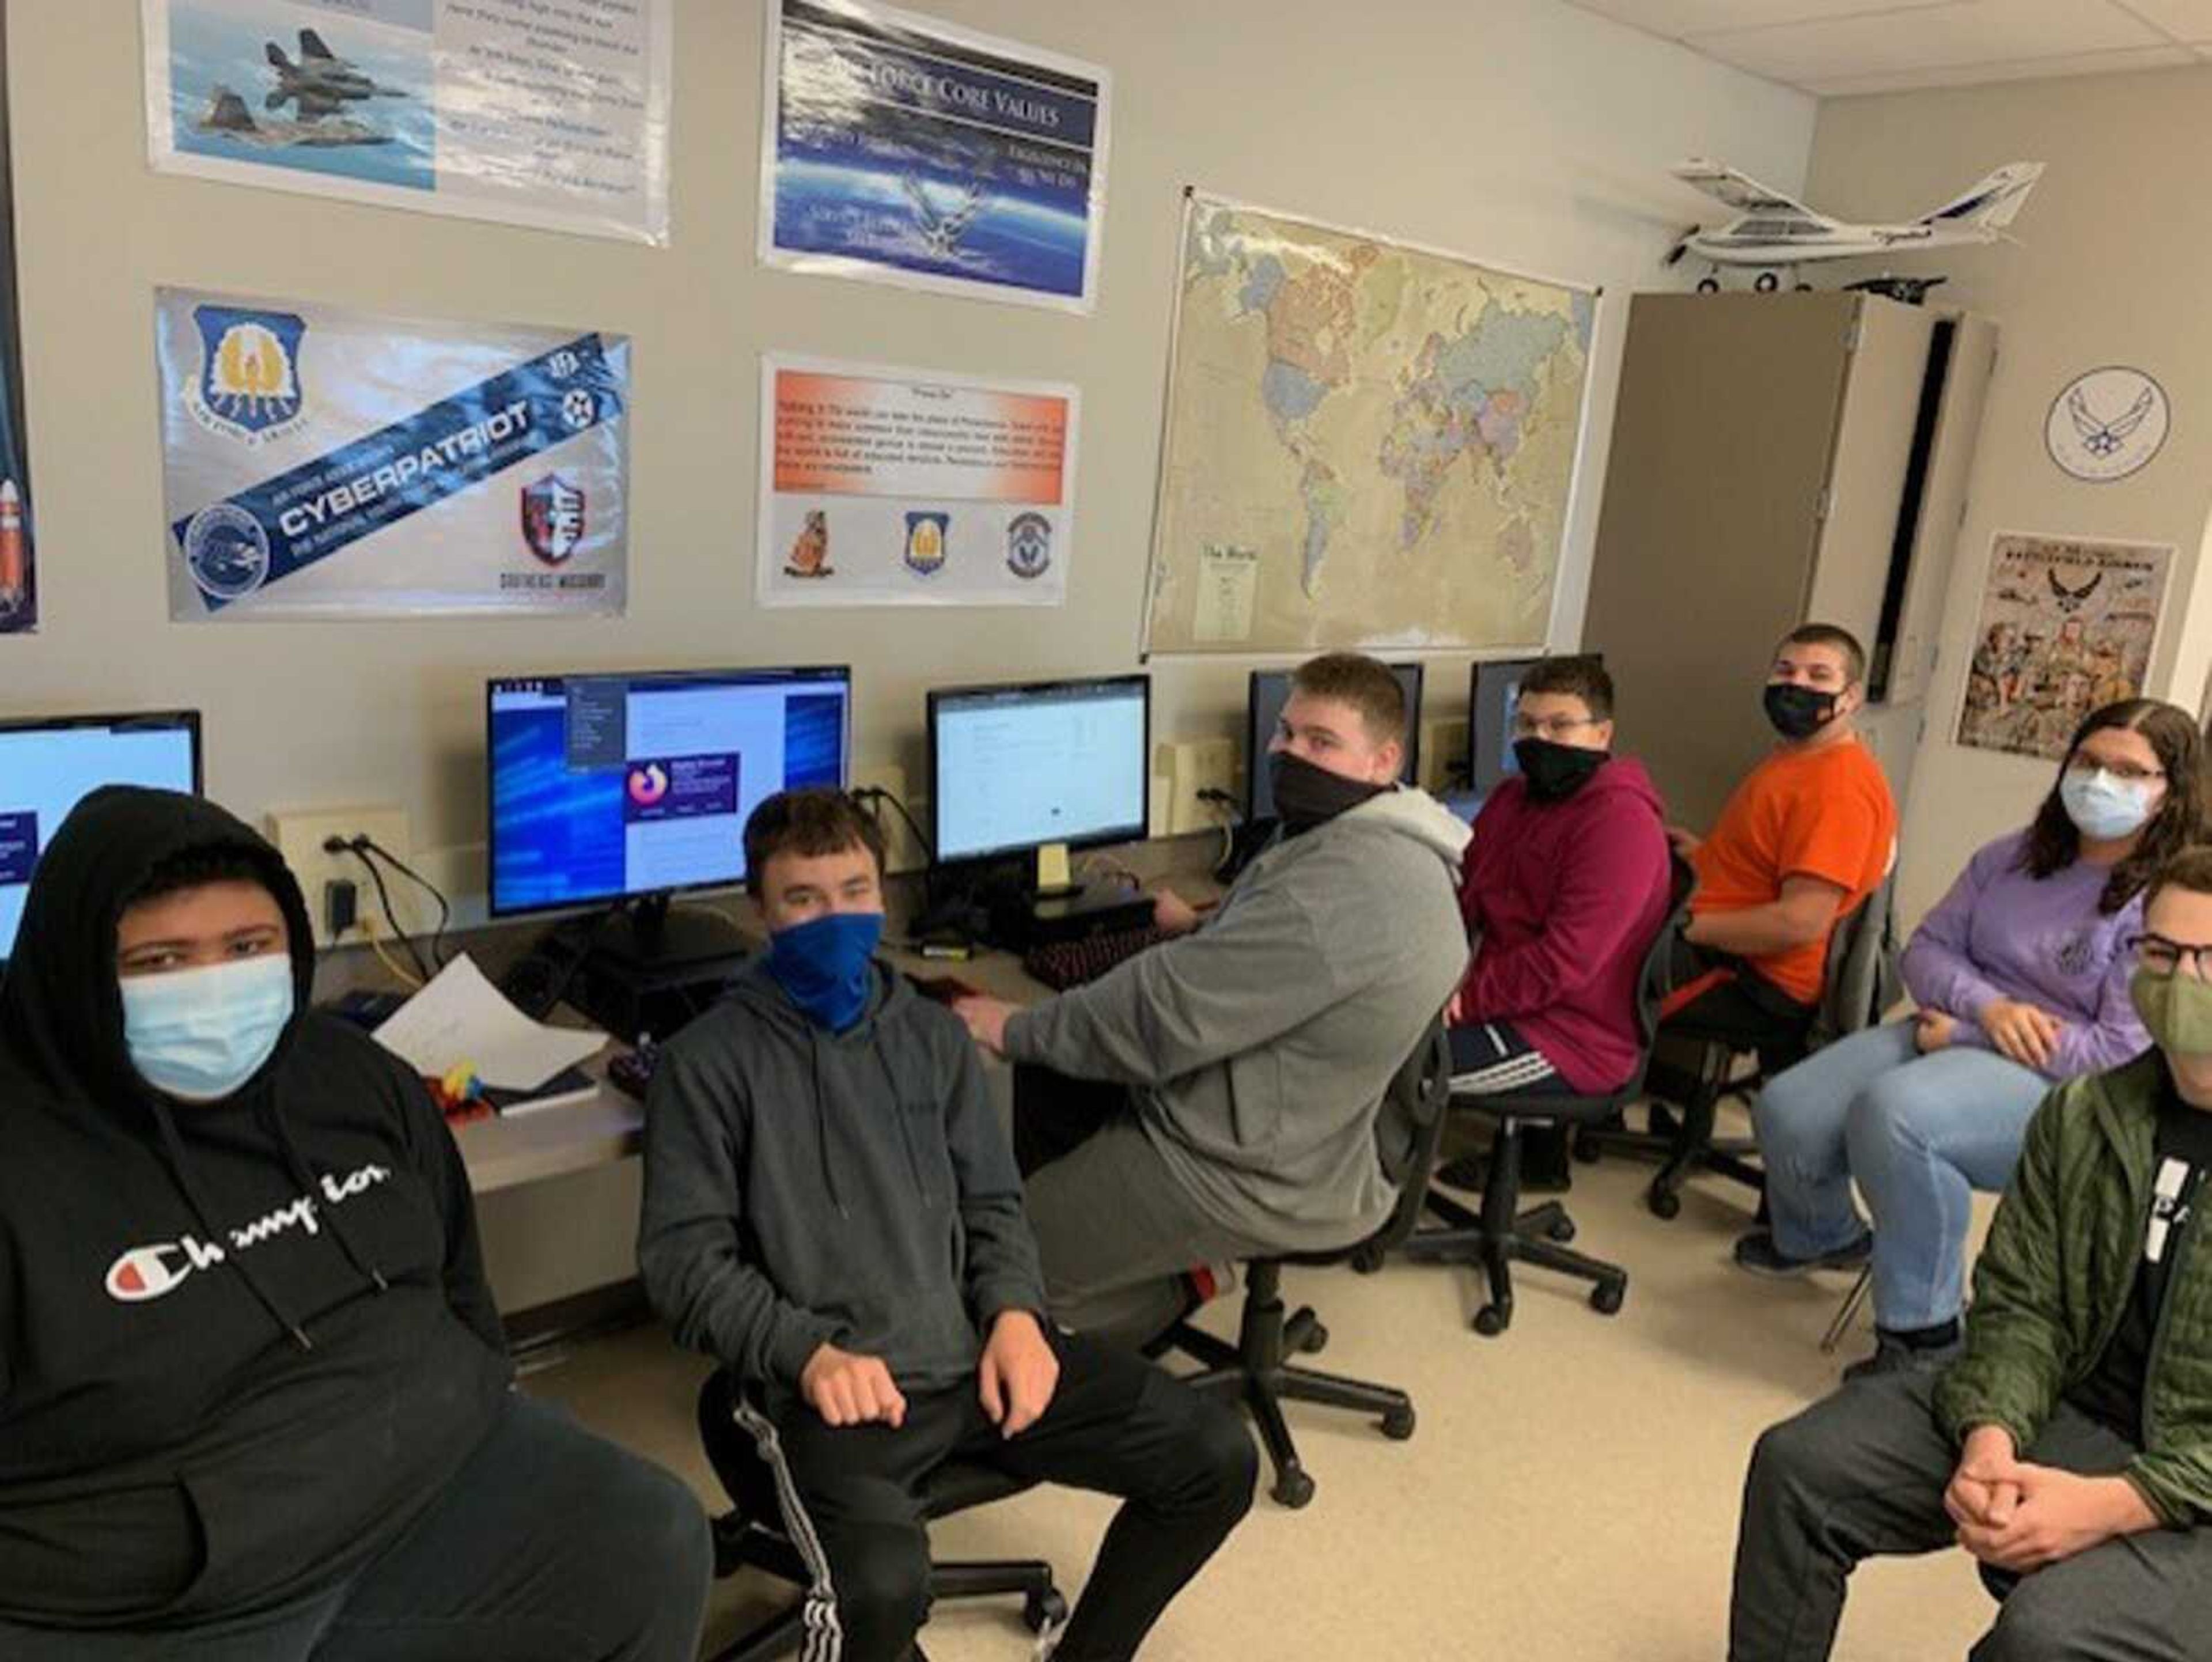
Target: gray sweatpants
point(1863, 1472)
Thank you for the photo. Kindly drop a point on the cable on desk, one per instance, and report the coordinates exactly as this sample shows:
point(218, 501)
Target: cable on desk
point(383, 898)
point(367, 845)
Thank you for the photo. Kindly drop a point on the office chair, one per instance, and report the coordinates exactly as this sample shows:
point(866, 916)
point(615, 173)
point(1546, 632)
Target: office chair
point(754, 1536)
point(1501, 1232)
point(1858, 983)
point(1408, 1131)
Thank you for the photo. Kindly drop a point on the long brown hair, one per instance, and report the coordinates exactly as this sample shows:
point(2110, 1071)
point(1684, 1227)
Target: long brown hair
point(2054, 842)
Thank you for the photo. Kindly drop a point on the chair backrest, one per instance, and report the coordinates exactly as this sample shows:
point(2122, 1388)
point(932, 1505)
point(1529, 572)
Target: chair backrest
point(1656, 979)
point(1412, 1121)
point(1861, 979)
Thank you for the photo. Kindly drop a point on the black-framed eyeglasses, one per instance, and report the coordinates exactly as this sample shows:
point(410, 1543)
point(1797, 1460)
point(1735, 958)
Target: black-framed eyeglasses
point(1554, 727)
point(2158, 956)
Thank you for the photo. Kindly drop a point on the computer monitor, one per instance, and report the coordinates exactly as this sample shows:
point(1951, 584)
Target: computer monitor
point(1492, 691)
point(613, 786)
point(49, 763)
point(1269, 692)
point(1015, 767)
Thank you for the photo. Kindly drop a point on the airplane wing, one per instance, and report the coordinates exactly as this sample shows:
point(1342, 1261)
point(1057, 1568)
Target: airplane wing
point(311, 46)
point(1741, 191)
point(2120, 426)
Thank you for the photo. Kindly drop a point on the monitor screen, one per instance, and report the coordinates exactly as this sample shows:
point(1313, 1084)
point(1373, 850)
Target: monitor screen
point(1014, 767)
point(606, 786)
point(1270, 691)
point(46, 766)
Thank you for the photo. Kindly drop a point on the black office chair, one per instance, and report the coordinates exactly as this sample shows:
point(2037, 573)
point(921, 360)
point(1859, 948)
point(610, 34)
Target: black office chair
point(1409, 1129)
point(753, 1535)
point(1695, 1060)
point(1501, 1232)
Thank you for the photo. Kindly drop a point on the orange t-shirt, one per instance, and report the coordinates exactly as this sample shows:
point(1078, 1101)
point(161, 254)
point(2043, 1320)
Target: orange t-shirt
point(1824, 812)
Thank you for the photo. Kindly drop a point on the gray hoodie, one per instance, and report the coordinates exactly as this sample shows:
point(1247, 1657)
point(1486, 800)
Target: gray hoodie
point(804, 1187)
point(1259, 1048)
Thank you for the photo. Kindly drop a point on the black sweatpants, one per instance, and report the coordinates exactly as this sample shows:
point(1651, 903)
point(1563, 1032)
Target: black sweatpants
point(549, 1544)
point(1862, 1473)
point(1116, 1424)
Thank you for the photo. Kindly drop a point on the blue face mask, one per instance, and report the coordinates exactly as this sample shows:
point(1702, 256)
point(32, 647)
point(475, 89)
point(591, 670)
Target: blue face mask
point(823, 964)
point(200, 1034)
point(2102, 806)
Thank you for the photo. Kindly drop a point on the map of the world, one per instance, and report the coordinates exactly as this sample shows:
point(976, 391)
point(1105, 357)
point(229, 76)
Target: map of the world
point(1367, 444)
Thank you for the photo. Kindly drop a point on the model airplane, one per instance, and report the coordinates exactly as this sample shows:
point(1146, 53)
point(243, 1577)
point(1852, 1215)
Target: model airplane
point(1776, 234)
point(321, 83)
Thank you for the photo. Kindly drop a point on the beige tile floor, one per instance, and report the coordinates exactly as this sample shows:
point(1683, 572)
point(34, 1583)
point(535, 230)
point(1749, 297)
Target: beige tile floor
point(1571, 1494)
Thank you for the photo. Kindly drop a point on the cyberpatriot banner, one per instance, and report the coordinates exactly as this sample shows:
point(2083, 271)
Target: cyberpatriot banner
point(326, 463)
point(551, 114)
point(903, 149)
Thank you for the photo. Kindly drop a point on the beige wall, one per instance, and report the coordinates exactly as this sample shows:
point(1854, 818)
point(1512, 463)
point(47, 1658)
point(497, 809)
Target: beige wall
point(2113, 270)
point(1522, 131)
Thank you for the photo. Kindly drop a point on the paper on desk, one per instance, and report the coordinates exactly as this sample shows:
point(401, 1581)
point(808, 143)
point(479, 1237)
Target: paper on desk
point(460, 1017)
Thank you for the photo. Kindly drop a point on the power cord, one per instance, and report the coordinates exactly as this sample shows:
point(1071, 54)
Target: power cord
point(341, 845)
point(873, 797)
point(366, 846)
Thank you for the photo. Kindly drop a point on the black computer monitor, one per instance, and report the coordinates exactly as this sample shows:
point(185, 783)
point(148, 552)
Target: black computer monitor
point(1269, 692)
point(1013, 769)
point(1493, 690)
point(49, 763)
point(612, 787)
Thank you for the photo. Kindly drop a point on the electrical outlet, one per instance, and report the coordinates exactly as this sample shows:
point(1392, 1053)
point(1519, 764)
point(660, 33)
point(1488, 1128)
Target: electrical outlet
point(1444, 753)
point(1193, 765)
point(300, 836)
point(901, 852)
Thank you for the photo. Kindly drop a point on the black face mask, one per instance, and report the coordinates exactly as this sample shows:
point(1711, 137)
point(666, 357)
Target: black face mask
point(1798, 712)
point(1306, 796)
point(1556, 771)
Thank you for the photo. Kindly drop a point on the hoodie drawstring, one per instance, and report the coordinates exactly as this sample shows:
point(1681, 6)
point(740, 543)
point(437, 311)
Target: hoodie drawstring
point(180, 1169)
point(296, 1164)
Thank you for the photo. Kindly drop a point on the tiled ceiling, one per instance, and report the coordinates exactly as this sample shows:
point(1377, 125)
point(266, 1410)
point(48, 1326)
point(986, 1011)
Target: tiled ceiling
point(1837, 47)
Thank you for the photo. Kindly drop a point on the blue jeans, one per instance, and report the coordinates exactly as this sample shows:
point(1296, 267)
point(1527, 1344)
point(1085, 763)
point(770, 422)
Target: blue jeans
point(1920, 1133)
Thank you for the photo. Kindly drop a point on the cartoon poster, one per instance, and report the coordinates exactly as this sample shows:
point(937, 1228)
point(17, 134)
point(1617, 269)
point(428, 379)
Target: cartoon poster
point(883, 486)
point(551, 114)
point(320, 463)
point(2067, 625)
point(19, 584)
point(903, 149)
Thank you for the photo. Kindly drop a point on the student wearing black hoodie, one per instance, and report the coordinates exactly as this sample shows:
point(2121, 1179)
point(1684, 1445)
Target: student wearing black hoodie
point(255, 1403)
point(832, 1212)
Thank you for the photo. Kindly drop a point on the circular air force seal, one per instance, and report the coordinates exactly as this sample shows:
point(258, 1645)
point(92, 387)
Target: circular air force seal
point(226, 552)
point(1029, 545)
point(2107, 424)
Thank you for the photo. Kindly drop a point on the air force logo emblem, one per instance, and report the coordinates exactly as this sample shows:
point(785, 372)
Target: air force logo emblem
point(925, 543)
point(249, 379)
point(1029, 545)
point(552, 518)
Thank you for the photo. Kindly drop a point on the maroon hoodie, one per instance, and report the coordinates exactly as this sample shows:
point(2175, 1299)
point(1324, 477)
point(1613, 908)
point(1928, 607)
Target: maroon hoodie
point(1561, 900)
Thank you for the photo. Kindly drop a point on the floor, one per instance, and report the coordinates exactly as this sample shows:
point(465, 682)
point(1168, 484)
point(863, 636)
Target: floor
point(1571, 1493)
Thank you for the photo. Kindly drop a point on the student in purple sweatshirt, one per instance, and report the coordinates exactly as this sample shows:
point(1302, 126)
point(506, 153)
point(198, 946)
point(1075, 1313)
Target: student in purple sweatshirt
point(2021, 976)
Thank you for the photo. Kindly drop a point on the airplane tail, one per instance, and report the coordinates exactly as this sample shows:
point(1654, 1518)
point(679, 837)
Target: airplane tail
point(227, 114)
point(311, 46)
point(1992, 202)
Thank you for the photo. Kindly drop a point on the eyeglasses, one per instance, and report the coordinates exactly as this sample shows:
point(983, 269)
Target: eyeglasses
point(2126, 772)
point(1554, 727)
point(2155, 955)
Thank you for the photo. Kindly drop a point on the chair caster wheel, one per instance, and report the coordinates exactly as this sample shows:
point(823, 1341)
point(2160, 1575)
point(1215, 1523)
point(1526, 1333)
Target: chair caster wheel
point(1367, 1260)
point(1293, 1488)
point(1561, 1230)
point(1664, 1204)
point(1490, 1321)
point(1605, 1297)
point(1398, 1423)
point(1040, 1610)
point(1316, 1339)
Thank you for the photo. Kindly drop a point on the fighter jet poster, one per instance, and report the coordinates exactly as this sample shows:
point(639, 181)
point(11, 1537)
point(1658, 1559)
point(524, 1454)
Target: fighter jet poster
point(903, 149)
point(319, 463)
point(548, 115)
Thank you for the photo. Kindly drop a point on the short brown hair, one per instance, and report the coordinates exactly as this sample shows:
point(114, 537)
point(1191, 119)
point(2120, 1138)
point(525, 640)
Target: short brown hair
point(1355, 679)
point(807, 823)
point(1581, 676)
point(1830, 635)
point(2191, 869)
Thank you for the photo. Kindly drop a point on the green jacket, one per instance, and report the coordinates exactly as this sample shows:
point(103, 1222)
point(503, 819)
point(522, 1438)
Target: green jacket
point(2056, 1277)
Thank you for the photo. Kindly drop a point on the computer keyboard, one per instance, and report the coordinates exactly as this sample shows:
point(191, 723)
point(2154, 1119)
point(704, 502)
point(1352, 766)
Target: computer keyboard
point(1062, 963)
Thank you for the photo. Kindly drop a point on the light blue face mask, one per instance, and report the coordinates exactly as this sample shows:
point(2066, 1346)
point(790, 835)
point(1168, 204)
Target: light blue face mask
point(200, 1034)
point(2103, 806)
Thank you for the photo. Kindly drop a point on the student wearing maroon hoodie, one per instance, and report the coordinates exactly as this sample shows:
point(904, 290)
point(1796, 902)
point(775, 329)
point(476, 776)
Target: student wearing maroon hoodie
point(1562, 888)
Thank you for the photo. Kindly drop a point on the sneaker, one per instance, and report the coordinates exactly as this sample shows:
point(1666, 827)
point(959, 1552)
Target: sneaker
point(1757, 1253)
point(1894, 1355)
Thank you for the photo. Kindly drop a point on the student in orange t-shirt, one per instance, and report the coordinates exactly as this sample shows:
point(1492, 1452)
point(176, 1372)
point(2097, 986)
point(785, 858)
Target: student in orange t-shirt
point(1803, 840)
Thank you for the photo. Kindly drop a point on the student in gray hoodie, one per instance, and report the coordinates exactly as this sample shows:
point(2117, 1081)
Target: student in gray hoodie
point(831, 1211)
point(1215, 1097)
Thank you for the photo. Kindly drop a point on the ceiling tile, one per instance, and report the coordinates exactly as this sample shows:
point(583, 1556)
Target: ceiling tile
point(2185, 20)
point(2033, 69)
point(1967, 32)
point(1675, 18)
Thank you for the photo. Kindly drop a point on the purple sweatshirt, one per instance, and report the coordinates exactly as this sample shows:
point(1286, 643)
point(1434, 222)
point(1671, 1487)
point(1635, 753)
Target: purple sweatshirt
point(2003, 934)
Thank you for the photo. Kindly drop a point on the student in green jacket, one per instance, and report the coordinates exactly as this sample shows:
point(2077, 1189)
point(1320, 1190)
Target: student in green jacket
point(2071, 1446)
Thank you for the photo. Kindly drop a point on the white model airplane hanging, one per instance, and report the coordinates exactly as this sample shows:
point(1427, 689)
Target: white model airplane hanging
point(1776, 235)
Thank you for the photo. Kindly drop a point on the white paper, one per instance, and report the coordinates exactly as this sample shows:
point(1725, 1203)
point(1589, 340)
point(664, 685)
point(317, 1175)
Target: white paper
point(461, 1018)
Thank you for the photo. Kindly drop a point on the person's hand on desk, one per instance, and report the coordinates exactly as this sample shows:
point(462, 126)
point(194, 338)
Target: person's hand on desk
point(847, 1390)
point(986, 1021)
point(1172, 913)
point(1017, 1374)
